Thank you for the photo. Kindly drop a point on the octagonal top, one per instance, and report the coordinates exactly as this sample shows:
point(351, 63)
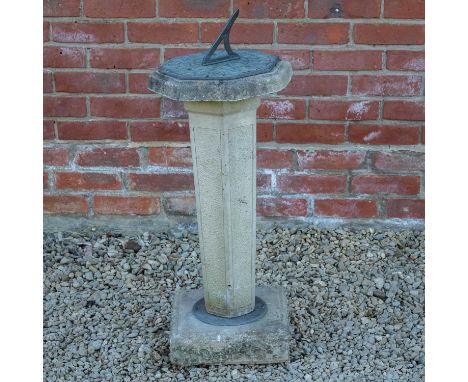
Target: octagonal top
point(216, 89)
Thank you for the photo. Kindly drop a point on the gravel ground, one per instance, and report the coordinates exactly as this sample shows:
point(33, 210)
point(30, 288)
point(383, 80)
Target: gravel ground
point(356, 300)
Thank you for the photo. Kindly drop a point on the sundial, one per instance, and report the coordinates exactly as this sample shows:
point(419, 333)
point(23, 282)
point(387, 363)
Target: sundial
point(230, 320)
point(202, 66)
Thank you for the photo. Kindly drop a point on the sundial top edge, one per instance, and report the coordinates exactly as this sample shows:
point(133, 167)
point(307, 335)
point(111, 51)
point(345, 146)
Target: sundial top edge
point(228, 88)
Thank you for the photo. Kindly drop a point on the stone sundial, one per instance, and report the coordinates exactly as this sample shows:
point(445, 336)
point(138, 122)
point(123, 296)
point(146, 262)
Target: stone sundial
point(229, 321)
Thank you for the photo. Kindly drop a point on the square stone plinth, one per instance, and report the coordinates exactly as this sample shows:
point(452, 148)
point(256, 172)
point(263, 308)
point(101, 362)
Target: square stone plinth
point(193, 342)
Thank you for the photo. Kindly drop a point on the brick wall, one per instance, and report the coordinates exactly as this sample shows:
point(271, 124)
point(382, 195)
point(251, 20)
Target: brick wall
point(345, 139)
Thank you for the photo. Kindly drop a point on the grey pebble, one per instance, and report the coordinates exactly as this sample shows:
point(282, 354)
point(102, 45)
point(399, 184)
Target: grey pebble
point(95, 345)
point(379, 282)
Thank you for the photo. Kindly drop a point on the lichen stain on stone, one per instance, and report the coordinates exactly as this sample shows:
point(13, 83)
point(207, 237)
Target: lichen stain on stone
point(80, 36)
point(279, 109)
point(388, 87)
point(372, 135)
point(294, 60)
point(415, 64)
point(357, 110)
point(288, 206)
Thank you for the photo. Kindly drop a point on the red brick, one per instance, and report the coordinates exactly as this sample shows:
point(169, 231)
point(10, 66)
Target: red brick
point(88, 32)
point(346, 208)
point(89, 82)
point(282, 109)
point(47, 82)
point(161, 182)
point(270, 9)
point(404, 9)
point(170, 156)
point(398, 161)
point(311, 184)
point(316, 85)
point(125, 58)
point(65, 204)
point(347, 60)
point(48, 131)
point(299, 59)
point(264, 132)
point(387, 184)
point(324, 9)
point(125, 107)
point(55, 156)
point(45, 180)
point(64, 106)
point(138, 83)
point(409, 60)
point(310, 133)
point(263, 182)
point(343, 110)
point(61, 8)
point(171, 109)
point(120, 8)
point(45, 30)
point(405, 208)
point(108, 157)
point(317, 34)
point(281, 207)
point(242, 33)
point(163, 33)
point(404, 110)
point(86, 181)
point(175, 52)
point(126, 205)
point(330, 160)
point(194, 8)
point(181, 205)
point(423, 135)
point(159, 131)
point(274, 158)
point(389, 34)
point(92, 130)
point(384, 134)
point(63, 57)
point(386, 85)
point(263, 185)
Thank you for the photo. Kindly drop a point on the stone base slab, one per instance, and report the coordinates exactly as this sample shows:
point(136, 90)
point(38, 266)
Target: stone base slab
point(193, 342)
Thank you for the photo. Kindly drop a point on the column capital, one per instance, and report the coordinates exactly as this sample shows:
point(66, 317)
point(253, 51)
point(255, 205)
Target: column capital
point(221, 108)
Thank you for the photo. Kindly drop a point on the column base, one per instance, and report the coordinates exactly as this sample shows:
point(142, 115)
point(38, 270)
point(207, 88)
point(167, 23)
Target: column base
point(193, 342)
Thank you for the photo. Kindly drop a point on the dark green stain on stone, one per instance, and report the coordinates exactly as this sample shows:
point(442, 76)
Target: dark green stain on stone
point(190, 67)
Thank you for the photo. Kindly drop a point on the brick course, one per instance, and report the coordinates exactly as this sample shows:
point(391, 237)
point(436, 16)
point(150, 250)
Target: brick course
point(344, 140)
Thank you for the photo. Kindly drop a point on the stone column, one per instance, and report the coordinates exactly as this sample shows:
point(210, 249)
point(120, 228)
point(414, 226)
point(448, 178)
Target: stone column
point(223, 140)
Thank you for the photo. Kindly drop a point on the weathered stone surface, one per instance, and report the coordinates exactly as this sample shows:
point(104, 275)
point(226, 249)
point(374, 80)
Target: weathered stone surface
point(223, 138)
point(221, 90)
point(193, 342)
